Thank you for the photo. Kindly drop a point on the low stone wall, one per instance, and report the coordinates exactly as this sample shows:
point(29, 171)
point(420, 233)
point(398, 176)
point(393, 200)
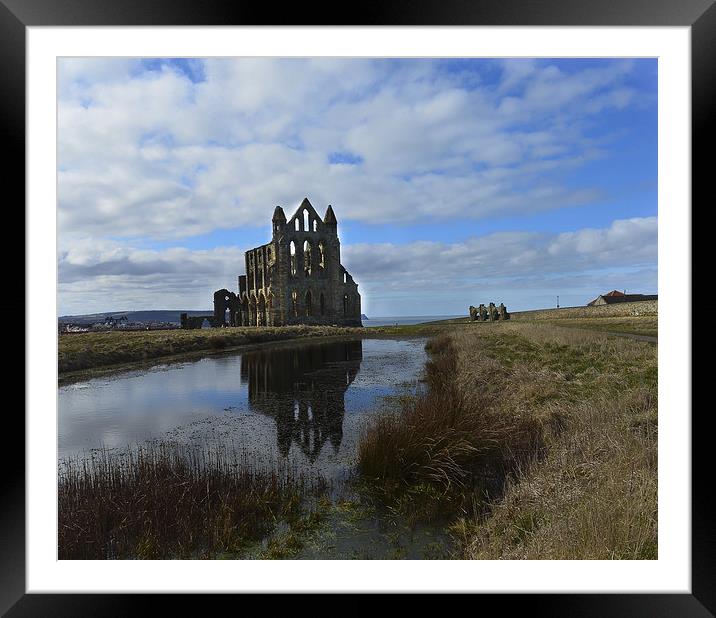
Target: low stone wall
point(643, 307)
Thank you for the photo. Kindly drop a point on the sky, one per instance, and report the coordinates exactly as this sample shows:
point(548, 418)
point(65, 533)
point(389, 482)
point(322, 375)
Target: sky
point(455, 181)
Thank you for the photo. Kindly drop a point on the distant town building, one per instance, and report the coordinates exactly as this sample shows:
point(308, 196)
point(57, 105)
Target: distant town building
point(615, 296)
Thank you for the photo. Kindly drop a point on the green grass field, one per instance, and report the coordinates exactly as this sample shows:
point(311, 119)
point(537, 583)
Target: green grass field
point(534, 441)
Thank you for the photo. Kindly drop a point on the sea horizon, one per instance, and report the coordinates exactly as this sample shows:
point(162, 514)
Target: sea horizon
point(401, 320)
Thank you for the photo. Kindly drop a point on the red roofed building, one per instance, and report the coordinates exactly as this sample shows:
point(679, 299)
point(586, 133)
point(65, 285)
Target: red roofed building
point(615, 296)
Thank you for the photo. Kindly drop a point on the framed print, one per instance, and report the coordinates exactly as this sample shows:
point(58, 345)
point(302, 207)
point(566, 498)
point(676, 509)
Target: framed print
point(380, 296)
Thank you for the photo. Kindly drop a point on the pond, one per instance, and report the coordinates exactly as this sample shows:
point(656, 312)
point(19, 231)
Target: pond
point(299, 403)
point(302, 402)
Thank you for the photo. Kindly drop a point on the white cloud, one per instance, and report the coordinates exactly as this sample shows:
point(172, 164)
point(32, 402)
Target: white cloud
point(626, 239)
point(147, 155)
point(626, 243)
point(151, 153)
point(97, 276)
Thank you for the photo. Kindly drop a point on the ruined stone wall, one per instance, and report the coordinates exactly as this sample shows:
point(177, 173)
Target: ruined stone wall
point(261, 302)
point(643, 307)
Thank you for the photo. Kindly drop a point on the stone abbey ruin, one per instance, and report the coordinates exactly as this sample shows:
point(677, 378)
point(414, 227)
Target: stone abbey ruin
point(297, 278)
point(489, 313)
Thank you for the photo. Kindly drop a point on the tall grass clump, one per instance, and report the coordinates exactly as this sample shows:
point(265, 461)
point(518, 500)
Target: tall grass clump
point(444, 437)
point(593, 498)
point(167, 500)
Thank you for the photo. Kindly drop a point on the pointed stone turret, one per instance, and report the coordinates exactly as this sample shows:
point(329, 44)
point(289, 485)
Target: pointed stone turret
point(279, 221)
point(330, 218)
point(279, 215)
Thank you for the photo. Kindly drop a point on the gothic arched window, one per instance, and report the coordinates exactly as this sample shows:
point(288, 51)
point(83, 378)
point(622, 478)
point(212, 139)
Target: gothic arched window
point(292, 257)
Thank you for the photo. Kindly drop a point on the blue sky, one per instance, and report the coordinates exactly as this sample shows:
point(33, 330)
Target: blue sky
point(454, 182)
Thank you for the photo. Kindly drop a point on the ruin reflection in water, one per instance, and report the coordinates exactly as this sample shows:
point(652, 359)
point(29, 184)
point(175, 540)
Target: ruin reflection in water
point(305, 396)
point(303, 389)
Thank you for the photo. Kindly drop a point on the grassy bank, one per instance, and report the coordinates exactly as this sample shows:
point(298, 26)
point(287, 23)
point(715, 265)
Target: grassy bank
point(531, 441)
point(96, 350)
point(642, 325)
point(638, 318)
point(82, 351)
point(171, 501)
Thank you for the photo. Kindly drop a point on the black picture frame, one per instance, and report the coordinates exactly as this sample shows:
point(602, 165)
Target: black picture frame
point(700, 15)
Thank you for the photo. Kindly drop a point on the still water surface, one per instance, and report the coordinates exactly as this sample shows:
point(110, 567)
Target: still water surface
point(301, 402)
